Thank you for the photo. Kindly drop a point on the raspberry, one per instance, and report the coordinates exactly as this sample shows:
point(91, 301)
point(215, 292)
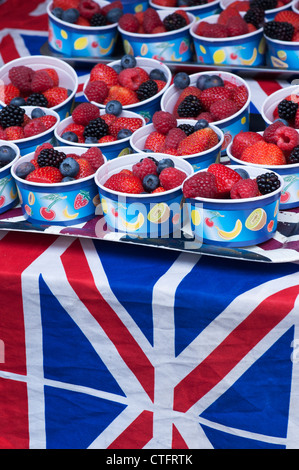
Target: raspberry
point(209, 30)
point(41, 81)
point(236, 26)
point(151, 20)
point(130, 78)
point(84, 113)
point(128, 22)
point(65, 4)
point(223, 109)
point(145, 167)
point(173, 138)
point(171, 178)
point(94, 156)
point(21, 76)
point(34, 127)
point(143, 74)
point(87, 8)
point(244, 188)
point(287, 138)
point(96, 91)
point(164, 121)
point(201, 184)
point(38, 150)
point(269, 132)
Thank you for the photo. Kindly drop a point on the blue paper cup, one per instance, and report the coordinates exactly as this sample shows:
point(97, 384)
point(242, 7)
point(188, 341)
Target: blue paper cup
point(198, 161)
point(8, 191)
point(174, 46)
point(134, 7)
point(199, 11)
point(67, 78)
point(145, 215)
point(231, 126)
point(72, 40)
point(235, 222)
point(64, 204)
point(273, 100)
point(109, 150)
point(246, 50)
point(269, 14)
point(146, 108)
point(282, 54)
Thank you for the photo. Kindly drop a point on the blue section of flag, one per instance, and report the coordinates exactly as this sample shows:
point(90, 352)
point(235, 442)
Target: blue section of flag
point(34, 43)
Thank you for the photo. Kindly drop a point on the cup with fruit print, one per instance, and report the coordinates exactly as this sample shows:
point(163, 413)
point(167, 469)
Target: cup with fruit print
point(56, 184)
point(41, 81)
point(141, 195)
point(271, 7)
point(227, 209)
point(9, 154)
point(200, 9)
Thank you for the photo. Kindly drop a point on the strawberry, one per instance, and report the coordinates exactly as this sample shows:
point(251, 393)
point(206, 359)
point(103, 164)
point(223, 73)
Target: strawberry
point(226, 177)
point(45, 174)
point(155, 141)
point(85, 168)
point(14, 133)
point(240, 5)
point(242, 141)
point(55, 96)
point(94, 156)
point(159, 189)
point(229, 12)
point(171, 178)
point(81, 199)
point(183, 14)
point(211, 30)
point(161, 84)
point(78, 129)
point(8, 92)
point(264, 154)
point(124, 123)
point(41, 81)
point(198, 141)
point(111, 6)
point(223, 109)
point(288, 16)
point(3, 135)
point(121, 94)
point(213, 94)
point(240, 96)
point(65, 4)
point(124, 183)
point(143, 74)
point(53, 74)
point(244, 188)
point(48, 121)
point(106, 139)
point(85, 112)
point(108, 118)
point(105, 73)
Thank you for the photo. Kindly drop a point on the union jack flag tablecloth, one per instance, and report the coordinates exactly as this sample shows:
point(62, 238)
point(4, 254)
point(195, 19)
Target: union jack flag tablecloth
point(105, 345)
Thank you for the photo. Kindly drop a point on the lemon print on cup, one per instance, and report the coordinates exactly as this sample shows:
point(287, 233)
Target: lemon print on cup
point(81, 43)
point(219, 56)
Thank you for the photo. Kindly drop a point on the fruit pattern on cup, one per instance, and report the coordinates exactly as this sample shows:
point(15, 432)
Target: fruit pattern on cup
point(220, 181)
point(147, 176)
point(183, 139)
point(28, 87)
point(87, 12)
point(211, 98)
point(50, 165)
point(149, 22)
point(124, 82)
point(277, 145)
point(284, 27)
point(90, 127)
point(16, 124)
point(181, 3)
point(7, 155)
point(288, 110)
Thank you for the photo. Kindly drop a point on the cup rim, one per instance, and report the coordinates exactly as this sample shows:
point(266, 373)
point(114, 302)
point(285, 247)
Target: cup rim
point(9, 143)
point(283, 91)
point(269, 12)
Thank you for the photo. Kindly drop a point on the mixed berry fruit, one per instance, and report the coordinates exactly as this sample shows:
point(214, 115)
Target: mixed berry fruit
point(50, 165)
point(172, 138)
point(7, 155)
point(91, 127)
point(288, 110)
point(220, 181)
point(149, 22)
point(28, 87)
point(284, 27)
point(16, 123)
point(125, 82)
point(147, 176)
point(211, 98)
point(181, 3)
point(277, 145)
point(87, 12)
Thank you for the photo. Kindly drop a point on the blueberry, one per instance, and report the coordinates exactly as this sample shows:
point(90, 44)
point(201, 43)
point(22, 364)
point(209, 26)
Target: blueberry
point(157, 74)
point(212, 81)
point(69, 167)
point(128, 61)
point(182, 3)
point(57, 12)
point(283, 121)
point(200, 82)
point(151, 158)
point(70, 15)
point(118, 68)
point(164, 163)
point(24, 169)
point(124, 133)
point(181, 80)
point(66, 179)
point(70, 136)
point(114, 15)
point(113, 107)
point(7, 154)
point(150, 183)
point(37, 112)
point(243, 173)
point(91, 139)
point(201, 124)
point(18, 101)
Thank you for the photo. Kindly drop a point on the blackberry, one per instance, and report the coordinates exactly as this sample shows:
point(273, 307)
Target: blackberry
point(255, 16)
point(279, 30)
point(294, 156)
point(174, 21)
point(96, 128)
point(98, 20)
point(263, 4)
point(268, 182)
point(189, 107)
point(147, 90)
point(287, 109)
point(50, 157)
point(193, 3)
point(187, 128)
point(11, 115)
point(37, 99)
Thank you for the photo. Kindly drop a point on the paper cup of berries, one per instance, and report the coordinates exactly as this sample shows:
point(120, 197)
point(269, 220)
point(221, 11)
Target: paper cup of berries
point(277, 150)
point(27, 126)
point(9, 154)
point(39, 81)
point(282, 104)
point(199, 8)
point(56, 184)
point(90, 126)
point(137, 83)
point(198, 142)
point(282, 39)
point(231, 38)
point(221, 98)
point(157, 34)
point(142, 194)
point(270, 7)
point(227, 209)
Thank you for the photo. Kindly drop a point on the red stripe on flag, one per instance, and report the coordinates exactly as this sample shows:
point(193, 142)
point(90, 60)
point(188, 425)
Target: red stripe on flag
point(17, 252)
point(87, 291)
point(137, 435)
point(269, 86)
point(233, 349)
point(177, 440)
point(8, 49)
